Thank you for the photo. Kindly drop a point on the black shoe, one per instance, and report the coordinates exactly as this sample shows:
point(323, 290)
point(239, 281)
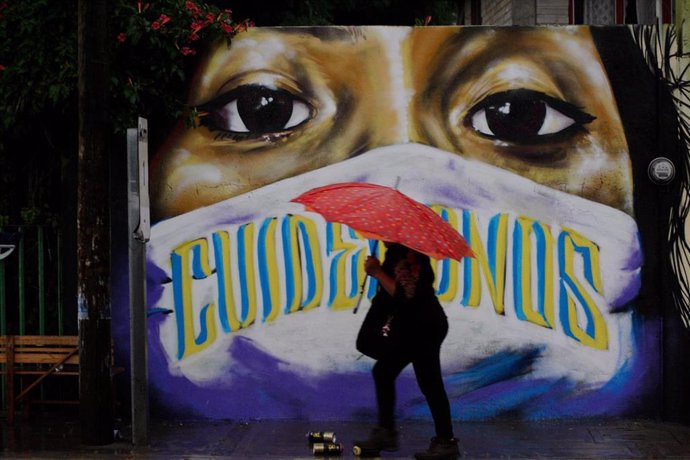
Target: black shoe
point(440, 449)
point(380, 439)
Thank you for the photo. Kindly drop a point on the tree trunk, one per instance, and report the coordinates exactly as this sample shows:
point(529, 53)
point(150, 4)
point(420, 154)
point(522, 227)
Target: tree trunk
point(93, 227)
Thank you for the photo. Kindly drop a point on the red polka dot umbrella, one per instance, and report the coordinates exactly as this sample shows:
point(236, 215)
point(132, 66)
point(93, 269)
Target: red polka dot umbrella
point(384, 213)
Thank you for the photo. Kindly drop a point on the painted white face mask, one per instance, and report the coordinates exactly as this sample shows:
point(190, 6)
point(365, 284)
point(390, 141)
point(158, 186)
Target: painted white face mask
point(553, 271)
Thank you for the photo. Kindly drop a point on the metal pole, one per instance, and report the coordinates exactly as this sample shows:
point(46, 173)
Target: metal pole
point(22, 293)
point(137, 153)
point(3, 323)
point(41, 282)
point(3, 300)
point(61, 326)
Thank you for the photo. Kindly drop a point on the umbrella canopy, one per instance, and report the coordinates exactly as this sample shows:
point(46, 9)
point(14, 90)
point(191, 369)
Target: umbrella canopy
point(384, 213)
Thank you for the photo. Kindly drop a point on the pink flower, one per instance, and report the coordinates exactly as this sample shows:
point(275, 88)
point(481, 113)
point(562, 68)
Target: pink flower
point(2, 67)
point(191, 6)
point(164, 19)
point(186, 51)
point(121, 37)
point(210, 17)
point(227, 28)
point(156, 25)
point(193, 37)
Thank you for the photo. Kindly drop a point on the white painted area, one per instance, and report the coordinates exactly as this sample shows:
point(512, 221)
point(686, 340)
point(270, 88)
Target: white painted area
point(321, 340)
point(194, 175)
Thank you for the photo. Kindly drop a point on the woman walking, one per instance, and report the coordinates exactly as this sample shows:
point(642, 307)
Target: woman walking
point(406, 283)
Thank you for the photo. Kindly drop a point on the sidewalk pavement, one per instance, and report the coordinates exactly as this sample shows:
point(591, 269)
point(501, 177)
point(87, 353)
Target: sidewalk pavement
point(56, 436)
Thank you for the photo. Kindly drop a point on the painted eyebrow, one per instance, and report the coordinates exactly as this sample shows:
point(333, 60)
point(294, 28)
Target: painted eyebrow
point(495, 44)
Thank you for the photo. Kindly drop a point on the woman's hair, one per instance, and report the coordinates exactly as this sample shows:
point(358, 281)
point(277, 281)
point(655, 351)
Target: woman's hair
point(395, 252)
point(639, 62)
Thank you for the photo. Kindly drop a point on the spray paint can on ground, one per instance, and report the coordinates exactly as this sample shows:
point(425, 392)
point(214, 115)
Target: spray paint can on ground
point(321, 436)
point(327, 449)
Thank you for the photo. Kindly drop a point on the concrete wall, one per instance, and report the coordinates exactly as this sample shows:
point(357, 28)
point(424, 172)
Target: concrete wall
point(497, 13)
point(552, 12)
point(527, 12)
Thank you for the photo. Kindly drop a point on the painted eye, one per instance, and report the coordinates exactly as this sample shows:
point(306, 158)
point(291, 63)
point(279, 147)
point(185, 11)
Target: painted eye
point(256, 110)
point(525, 116)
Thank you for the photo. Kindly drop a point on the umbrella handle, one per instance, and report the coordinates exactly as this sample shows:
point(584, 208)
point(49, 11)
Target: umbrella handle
point(373, 246)
point(361, 294)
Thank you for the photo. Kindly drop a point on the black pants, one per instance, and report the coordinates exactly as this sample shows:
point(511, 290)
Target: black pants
point(425, 359)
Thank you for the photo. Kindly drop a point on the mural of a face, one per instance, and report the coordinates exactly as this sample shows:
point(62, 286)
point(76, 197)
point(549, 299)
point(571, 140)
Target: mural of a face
point(512, 135)
point(281, 102)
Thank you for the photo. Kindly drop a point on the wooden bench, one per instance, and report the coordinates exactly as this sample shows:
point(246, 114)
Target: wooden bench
point(40, 356)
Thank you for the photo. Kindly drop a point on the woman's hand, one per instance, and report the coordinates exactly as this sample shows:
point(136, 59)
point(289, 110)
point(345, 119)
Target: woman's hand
point(373, 268)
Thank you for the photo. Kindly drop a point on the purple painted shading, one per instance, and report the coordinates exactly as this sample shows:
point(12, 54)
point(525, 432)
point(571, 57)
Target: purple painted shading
point(632, 263)
point(498, 386)
point(264, 387)
point(457, 197)
point(155, 279)
point(241, 219)
point(500, 366)
point(627, 392)
point(502, 398)
point(622, 301)
point(635, 258)
point(261, 387)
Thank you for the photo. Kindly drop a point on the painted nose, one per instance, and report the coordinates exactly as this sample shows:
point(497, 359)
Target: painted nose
point(390, 120)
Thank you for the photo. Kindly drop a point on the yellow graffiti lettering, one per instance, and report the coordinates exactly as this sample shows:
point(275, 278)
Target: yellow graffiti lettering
point(268, 269)
point(446, 270)
point(277, 264)
point(593, 333)
point(310, 267)
point(345, 254)
point(190, 261)
point(245, 251)
point(226, 299)
point(293, 267)
point(493, 264)
point(525, 231)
